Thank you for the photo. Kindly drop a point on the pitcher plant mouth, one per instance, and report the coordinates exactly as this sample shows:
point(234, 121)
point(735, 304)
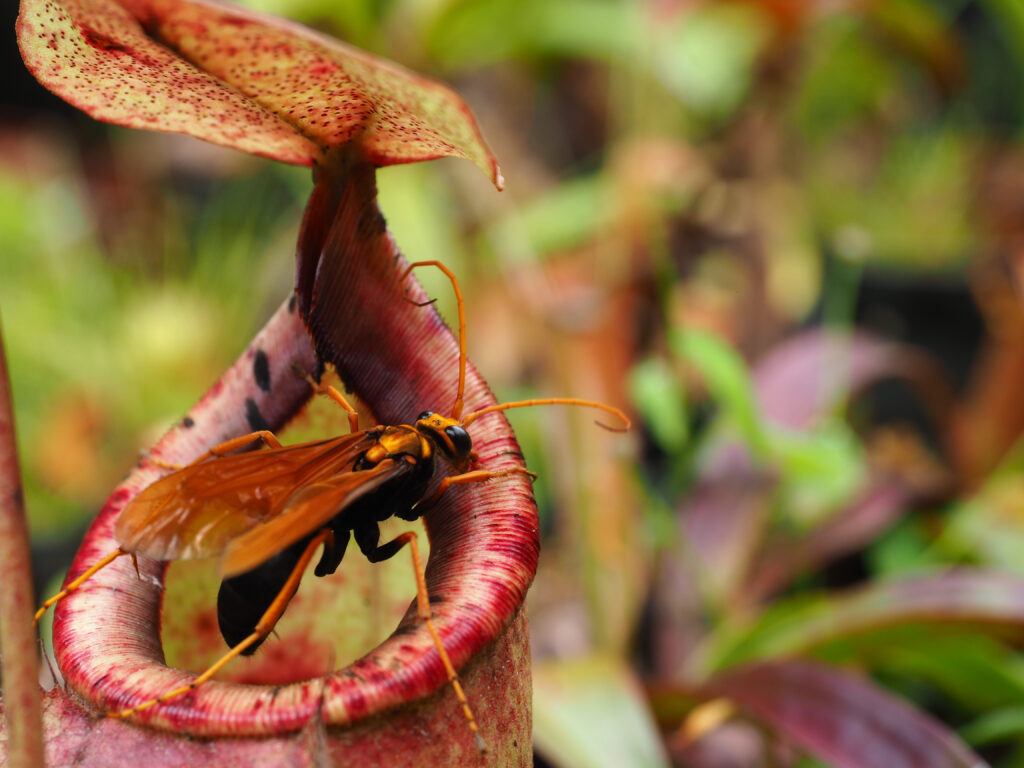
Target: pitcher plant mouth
point(400, 360)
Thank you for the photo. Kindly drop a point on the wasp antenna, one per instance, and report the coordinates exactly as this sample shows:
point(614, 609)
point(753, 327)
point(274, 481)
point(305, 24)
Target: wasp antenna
point(610, 428)
point(457, 406)
point(471, 417)
point(426, 303)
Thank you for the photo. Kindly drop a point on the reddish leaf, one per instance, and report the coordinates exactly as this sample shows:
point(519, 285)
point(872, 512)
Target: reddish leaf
point(876, 507)
point(797, 384)
point(241, 79)
point(954, 597)
point(806, 378)
point(734, 555)
point(725, 518)
point(803, 380)
point(846, 720)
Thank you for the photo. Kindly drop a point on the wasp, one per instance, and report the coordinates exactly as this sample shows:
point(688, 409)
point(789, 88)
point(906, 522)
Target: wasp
point(267, 512)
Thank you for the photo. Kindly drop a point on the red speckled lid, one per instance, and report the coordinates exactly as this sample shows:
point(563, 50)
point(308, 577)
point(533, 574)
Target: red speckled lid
point(241, 79)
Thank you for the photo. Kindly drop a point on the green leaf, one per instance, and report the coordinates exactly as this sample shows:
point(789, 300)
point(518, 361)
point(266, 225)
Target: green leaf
point(592, 713)
point(992, 727)
point(656, 392)
point(821, 471)
point(566, 216)
point(707, 56)
point(973, 669)
point(474, 33)
point(726, 377)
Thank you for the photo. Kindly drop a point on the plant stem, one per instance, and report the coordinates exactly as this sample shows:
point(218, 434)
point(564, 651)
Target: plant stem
point(18, 658)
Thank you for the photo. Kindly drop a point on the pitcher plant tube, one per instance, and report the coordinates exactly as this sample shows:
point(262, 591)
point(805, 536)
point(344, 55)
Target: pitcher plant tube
point(276, 89)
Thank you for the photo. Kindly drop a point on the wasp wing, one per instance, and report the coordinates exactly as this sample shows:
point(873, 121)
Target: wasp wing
point(196, 511)
point(309, 510)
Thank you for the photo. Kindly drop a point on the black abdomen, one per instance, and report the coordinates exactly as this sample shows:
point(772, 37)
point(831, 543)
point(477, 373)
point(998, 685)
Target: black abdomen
point(243, 599)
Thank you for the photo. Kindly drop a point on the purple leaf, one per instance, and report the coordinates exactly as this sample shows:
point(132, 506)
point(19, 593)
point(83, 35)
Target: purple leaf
point(954, 597)
point(875, 508)
point(805, 378)
point(844, 719)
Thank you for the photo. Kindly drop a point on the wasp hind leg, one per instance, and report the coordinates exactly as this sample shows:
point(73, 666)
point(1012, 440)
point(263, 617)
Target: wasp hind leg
point(263, 628)
point(366, 537)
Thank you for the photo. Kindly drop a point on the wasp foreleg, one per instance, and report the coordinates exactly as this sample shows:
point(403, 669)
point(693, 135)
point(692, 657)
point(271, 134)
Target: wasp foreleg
point(475, 476)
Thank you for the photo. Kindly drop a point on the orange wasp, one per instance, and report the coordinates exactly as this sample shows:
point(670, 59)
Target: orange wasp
point(265, 513)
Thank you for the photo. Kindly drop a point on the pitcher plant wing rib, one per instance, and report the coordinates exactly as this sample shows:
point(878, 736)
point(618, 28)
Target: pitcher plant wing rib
point(196, 511)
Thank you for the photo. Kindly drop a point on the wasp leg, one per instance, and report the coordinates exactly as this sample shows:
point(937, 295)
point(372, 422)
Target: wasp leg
point(267, 437)
point(147, 456)
point(320, 388)
point(81, 580)
point(375, 553)
point(476, 476)
point(263, 628)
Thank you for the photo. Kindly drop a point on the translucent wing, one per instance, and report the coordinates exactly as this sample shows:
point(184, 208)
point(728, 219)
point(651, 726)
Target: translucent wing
point(197, 510)
point(307, 511)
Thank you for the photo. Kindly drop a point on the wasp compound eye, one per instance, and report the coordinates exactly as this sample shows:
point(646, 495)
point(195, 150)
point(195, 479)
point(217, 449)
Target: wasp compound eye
point(461, 441)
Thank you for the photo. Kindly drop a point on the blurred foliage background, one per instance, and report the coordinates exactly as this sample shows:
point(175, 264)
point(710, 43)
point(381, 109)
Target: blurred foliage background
point(789, 235)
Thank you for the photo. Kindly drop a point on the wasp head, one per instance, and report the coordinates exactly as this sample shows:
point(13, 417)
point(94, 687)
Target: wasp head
point(449, 436)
